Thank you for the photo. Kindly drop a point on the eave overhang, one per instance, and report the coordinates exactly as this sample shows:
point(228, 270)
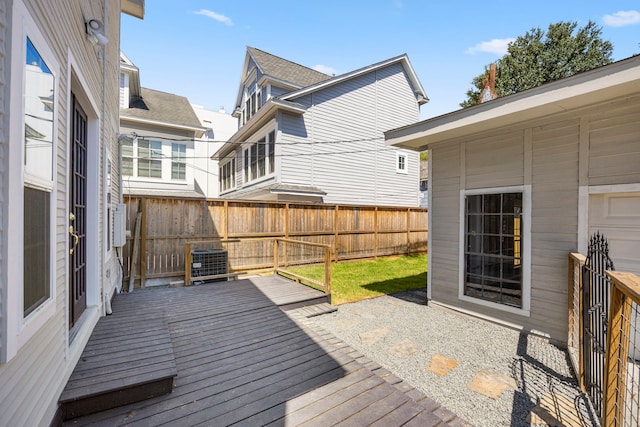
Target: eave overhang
point(198, 131)
point(134, 8)
point(618, 80)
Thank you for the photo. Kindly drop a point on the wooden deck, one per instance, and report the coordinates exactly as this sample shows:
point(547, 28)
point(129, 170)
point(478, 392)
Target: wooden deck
point(241, 359)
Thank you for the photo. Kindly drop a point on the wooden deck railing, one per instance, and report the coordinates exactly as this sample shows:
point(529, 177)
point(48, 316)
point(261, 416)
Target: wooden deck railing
point(277, 255)
point(621, 399)
point(281, 245)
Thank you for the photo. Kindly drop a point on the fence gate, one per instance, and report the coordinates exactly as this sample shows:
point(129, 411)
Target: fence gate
point(596, 287)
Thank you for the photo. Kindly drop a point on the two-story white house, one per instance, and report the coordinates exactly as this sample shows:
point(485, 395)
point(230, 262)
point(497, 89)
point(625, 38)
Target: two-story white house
point(307, 136)
point(220, 126)
point(159, 133)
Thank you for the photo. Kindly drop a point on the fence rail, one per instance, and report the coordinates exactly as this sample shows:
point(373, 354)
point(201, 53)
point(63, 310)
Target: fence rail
point(621, 386)
point(165, 224)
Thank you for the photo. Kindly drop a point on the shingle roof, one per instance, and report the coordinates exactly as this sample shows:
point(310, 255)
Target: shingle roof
point(162, 107)
point(285, 70)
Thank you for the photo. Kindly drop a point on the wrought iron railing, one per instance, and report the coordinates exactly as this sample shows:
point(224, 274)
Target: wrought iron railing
point(618, 400)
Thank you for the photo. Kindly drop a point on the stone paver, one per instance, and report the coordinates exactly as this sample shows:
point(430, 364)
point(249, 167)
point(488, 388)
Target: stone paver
point(491, 384)
point(441, 365)
point(403, 348)
point(374, 335)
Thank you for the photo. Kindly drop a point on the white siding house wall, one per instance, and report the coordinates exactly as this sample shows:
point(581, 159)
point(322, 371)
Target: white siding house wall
point(5, 65)
point(349, 159)
point(33, 378)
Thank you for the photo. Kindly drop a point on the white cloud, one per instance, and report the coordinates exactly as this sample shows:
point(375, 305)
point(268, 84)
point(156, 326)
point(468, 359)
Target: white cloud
point(215, 16)
point(497, 46)
point(622, 18)
point(325, 69)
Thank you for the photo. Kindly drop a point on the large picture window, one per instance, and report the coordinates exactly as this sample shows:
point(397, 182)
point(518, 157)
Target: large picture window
point(493, 242)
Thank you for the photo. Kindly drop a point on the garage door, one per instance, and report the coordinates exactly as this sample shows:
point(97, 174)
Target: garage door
point(617, 216)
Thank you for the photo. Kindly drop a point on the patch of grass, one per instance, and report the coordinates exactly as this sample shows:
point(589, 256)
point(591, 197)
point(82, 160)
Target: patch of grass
point(357, 280)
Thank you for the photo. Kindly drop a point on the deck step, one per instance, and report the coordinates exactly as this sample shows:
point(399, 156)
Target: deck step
point(317, 309)
point(128, 358)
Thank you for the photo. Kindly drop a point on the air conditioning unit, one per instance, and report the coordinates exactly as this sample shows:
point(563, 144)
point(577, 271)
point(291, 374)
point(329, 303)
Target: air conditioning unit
point(209, 262)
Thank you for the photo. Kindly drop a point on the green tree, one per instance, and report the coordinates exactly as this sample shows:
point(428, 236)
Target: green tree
point(537, 58)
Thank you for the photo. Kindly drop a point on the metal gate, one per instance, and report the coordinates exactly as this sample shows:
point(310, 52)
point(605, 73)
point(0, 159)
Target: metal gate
point(596, 287)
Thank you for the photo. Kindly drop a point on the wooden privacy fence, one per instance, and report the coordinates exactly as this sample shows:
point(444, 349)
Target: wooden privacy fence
point(621, 382)
point(166, 224)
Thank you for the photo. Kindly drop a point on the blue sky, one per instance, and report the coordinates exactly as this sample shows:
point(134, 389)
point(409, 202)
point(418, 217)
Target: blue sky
point(196, 48)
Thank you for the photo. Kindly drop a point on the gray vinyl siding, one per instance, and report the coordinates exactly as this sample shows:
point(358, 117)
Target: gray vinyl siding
point(481, 153)
point(278, 91)
point(614, 149)
point(33, 380)
point(444, 233)
point(554, 222)
point(349, 159)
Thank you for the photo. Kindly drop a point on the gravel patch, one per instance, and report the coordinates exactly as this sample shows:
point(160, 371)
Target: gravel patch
point(408, 334)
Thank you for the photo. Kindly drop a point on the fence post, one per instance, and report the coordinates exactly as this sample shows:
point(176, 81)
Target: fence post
point(408, 231)
point(143, 243)
point(187, 264)
point(327, 270)
point(225, 221)
point(617, 353)
point(336, 233)
point(275, 256)
point(375, 233)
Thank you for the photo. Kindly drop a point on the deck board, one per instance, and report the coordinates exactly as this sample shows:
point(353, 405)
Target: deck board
point(243, 360)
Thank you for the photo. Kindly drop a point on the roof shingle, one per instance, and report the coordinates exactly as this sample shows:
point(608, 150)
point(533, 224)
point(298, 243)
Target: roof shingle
point(162, 107)
point(282, 69)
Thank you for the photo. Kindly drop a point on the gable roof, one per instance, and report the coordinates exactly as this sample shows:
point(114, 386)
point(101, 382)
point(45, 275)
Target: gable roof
point(606, 83)
point(402, 59)
point(285, 70)
point(162, 108)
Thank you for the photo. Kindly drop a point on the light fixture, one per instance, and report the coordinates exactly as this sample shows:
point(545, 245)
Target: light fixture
point(95, 32)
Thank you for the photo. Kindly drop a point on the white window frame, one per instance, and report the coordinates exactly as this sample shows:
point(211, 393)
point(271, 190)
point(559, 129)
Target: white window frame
point(19, 328)
point(525, 247)
point(179, 160)
point(402, 165)
point(269, 161)
point(221, 175)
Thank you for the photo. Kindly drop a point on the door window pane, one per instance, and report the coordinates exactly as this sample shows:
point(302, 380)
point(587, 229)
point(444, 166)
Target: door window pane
point(38, 120)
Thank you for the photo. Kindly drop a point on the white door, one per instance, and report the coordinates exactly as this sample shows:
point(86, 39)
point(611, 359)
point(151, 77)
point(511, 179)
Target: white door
point(617, 217)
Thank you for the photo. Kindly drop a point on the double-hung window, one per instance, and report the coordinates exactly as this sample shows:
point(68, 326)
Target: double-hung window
point(259, 158)
point(178, 161)
point(493, 251)
point(149, 158)
point(401, 163)
point(228, 175)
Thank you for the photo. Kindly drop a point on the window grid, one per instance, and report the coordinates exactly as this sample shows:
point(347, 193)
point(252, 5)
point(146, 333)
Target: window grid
point(149, 158)
point(493, 248)
point(178, 161)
